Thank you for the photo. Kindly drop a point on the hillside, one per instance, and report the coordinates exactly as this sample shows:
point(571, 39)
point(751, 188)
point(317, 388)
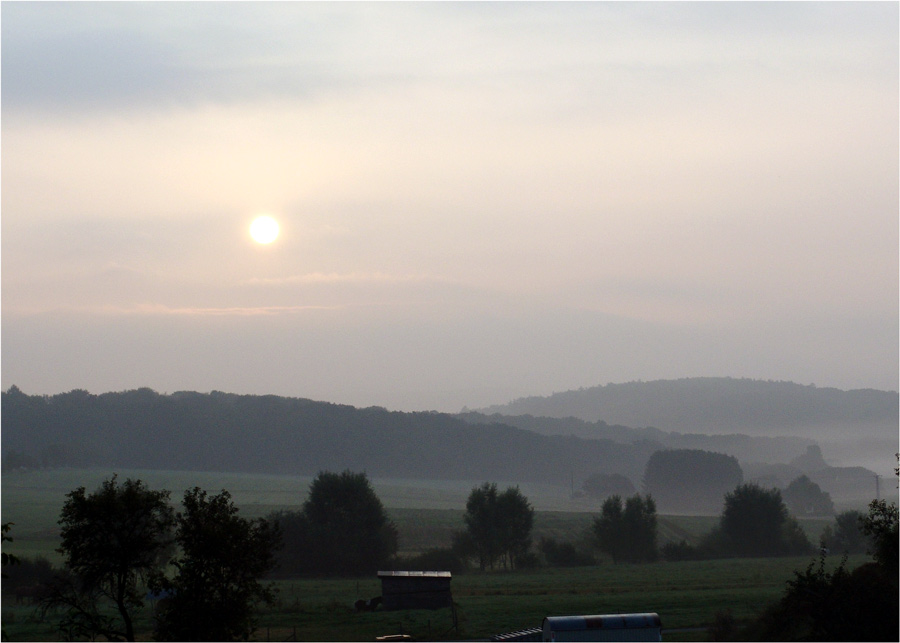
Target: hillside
point(774, 449)
point(723, 405)
point(143, 429)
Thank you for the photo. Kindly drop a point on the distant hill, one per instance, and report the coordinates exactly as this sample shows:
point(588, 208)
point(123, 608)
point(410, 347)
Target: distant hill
point(772, 449)
point(723, 405)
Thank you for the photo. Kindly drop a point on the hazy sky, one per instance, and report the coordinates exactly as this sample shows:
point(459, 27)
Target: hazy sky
point(477, 201)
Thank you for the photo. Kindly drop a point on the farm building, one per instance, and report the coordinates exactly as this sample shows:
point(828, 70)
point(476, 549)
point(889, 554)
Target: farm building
point(415, 590)
point(603, 627)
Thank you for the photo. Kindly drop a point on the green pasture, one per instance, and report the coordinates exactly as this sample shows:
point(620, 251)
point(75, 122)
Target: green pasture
point(685, 594)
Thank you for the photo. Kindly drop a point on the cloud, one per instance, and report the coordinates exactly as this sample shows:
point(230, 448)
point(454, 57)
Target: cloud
point(162, 310)
point(345, 278)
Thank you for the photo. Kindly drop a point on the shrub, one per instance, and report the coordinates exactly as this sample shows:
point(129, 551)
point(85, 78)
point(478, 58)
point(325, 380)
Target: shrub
point(565, 554)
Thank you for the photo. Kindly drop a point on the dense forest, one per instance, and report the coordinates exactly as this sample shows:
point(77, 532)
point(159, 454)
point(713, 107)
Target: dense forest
point(722, 405)
point(270, 434)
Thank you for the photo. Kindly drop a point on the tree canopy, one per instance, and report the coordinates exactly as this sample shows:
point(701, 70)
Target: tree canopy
point(861, 605)
point(216, 585)
point(342, 529)
point(627, 532)
point(845, 535)
point(805, 498)
point(755, 522)
point(498, 526)
point(111, 540)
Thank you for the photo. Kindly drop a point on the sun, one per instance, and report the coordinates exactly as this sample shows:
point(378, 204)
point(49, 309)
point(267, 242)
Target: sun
point(264, 229)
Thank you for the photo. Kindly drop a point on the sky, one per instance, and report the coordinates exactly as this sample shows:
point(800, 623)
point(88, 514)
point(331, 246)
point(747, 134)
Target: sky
point(477, 201)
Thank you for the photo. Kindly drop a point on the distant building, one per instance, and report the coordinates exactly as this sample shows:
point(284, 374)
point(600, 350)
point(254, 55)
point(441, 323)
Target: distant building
point(415, 590)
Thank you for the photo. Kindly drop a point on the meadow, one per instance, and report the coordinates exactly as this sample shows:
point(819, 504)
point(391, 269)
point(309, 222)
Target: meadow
point(685, 594)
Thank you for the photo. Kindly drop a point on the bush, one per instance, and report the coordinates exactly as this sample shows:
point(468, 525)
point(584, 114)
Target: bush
point(837, 606)
point(674, 552)
point(845, 536)
point(565, 554)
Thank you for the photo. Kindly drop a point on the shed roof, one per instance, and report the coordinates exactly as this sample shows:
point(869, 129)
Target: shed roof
point(605, 621)
point(414, 574)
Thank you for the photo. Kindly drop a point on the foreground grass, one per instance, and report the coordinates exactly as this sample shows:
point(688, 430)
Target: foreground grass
point(685, 594)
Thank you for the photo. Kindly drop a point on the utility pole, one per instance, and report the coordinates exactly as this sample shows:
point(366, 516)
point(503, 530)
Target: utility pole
point(877, 487)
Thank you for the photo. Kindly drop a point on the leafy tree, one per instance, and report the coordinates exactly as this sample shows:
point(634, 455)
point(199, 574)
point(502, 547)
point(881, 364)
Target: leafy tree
point(480, 519)
point(804, 497)
point(498, 526)
point(819, 605)
point(601, 485)
point(515, 518)
point(846, 535)
point(691, 479)
point(608, 528)
point(627, 533)
point(863, 605)
point(755, 522)
point(216, 586)
point(881, 526)
point(8, 559)
point(565, 554)
point(342, 529)
point(111, 541)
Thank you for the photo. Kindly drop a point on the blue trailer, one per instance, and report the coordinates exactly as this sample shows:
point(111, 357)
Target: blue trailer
point(645, 626)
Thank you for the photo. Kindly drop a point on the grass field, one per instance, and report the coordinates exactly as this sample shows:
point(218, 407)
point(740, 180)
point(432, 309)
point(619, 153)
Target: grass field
point(685, 594)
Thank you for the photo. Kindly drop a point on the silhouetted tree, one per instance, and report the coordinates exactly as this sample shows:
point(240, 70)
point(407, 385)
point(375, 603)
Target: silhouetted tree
point(693, 479)
point(498, 526)
point(845, 536)
point(111, 540)
point(755, 522)
point(627, 533)
point(342, 529)
point(804, 497)
point(881, 527)
point(480, 519)
point(216, 586)
point(7, 558)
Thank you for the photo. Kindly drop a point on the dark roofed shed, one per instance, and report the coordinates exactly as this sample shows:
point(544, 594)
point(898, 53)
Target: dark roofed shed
point(415, 590)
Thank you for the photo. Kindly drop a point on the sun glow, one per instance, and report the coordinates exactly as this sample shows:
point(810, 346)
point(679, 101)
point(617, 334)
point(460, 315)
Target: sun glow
point(264, 229)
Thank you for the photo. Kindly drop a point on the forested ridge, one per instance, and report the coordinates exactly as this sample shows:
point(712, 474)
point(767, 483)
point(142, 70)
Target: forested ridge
point(270, 434)
point(718, 405)
point(279, 435)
